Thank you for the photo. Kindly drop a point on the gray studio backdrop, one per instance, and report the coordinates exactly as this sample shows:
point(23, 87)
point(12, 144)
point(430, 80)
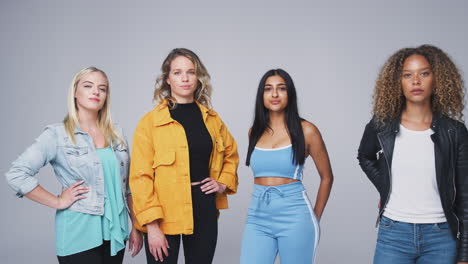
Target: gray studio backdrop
point(333, 51)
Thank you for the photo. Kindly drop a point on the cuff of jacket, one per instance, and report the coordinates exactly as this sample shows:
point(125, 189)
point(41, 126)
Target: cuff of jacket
point(230, 182)
point(149, 215)
point(27, 186)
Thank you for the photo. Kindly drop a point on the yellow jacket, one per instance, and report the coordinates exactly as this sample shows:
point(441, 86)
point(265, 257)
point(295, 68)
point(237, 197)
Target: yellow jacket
point(160, 173)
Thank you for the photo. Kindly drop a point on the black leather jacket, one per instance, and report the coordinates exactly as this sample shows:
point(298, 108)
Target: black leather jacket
point(451, 157)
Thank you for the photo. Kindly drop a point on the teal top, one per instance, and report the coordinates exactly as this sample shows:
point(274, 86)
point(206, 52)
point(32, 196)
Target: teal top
point(76, 232)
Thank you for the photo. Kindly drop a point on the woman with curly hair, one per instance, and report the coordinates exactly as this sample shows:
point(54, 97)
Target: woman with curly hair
point(184, 163)
point(415, 152)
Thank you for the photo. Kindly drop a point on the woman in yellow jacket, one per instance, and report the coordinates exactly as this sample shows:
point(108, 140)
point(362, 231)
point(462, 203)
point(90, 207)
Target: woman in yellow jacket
point(184, 163)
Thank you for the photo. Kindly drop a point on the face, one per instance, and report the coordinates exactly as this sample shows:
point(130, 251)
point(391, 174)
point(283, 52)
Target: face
point(417, 79)
point(91, 92)
point(182, 79)
point(275, 95)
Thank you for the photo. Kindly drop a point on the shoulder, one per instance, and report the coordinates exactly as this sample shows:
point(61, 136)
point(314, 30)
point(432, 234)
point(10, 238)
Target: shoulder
point(150, 117)
point(56, 128)
point(118, 128)
point(212, 114)
point(452, 124)
point(309, 129)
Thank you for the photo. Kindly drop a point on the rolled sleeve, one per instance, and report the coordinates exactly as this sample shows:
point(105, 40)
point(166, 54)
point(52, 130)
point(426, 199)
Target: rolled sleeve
point(21, 176)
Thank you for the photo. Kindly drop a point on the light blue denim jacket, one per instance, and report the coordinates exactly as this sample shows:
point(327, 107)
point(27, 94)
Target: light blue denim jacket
point(71, 163)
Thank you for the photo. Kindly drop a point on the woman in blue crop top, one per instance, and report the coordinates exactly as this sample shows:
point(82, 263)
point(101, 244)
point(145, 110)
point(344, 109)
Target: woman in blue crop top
point(90, 158)
point(281, 218)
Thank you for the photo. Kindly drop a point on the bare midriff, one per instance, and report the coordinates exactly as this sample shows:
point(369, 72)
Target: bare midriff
point(272, 181)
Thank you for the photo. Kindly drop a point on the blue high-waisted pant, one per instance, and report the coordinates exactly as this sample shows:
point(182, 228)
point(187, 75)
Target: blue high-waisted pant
point(280, 220)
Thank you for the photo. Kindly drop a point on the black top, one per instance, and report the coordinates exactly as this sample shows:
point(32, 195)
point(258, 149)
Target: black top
point(198, 138)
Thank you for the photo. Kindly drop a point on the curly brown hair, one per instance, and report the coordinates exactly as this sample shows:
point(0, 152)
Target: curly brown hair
point(162, 90)
point(448, 91)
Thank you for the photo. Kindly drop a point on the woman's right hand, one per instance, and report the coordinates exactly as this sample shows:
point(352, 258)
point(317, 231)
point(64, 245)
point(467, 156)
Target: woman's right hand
point(157, 241)
point(71, 194)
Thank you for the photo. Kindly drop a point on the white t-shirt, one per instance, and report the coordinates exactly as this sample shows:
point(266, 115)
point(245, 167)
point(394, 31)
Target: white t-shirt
point(414, 196)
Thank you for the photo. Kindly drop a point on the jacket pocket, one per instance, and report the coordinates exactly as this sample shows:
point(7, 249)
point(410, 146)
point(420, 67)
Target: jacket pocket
point(76, 156)
point(163, 159)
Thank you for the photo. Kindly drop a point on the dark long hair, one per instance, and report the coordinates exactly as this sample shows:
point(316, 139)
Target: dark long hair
point(293, 120)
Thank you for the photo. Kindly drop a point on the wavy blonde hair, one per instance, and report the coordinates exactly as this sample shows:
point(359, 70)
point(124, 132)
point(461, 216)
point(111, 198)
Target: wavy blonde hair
point(105, 123)
point(162, 90)
point(448, 91)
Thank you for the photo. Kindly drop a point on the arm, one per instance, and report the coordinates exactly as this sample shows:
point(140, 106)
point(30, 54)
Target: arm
point(146, 207)
point(317, 150)
point(462, 193)
point(368, 149)
point(21, 176)
point(228, 175)
point(136, 238)
point(146, 204)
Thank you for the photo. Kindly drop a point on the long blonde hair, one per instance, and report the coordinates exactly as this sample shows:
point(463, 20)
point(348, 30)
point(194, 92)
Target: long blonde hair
point(105, 123)
point(162, 90)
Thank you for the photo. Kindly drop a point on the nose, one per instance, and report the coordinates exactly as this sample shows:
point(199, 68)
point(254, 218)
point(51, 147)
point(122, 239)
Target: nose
point(184, 77)
point(274, 93)
point(95, 90)
point(416, 80)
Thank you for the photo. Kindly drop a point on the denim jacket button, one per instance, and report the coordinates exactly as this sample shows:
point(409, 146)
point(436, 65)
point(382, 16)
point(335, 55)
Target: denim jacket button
point(121, 163)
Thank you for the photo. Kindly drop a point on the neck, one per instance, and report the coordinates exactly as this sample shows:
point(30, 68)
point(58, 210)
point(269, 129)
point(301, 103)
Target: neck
point(87, 119)
point(277, 119)
point(184, 100)
point(420, 113)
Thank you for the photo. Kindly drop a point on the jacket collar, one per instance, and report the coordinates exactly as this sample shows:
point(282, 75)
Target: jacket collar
point(162, 115)
point(394, 124)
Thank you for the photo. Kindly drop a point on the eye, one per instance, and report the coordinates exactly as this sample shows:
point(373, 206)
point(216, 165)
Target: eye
point(87, 86)
point(283, 88)
point(191, 72)
point(425, 74)
point(406, 75)
point(176, 73)
point(103, 90)
point(267, 89)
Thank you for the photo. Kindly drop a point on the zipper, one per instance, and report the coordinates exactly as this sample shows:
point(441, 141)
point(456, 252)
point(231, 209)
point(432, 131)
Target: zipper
point(390, 182)
point(454, 190)
point(379, 153)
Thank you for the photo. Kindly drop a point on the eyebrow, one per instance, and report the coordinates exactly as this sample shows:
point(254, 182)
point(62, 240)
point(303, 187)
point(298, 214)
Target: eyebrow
point(88, 82)
point(267, 84)
point(181, 69)
point(423, 69)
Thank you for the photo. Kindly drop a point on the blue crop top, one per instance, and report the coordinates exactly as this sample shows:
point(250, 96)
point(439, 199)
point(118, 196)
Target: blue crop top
point(276, 162)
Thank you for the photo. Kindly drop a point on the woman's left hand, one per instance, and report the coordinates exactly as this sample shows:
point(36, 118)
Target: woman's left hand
point(135, 242)
point(210, 185)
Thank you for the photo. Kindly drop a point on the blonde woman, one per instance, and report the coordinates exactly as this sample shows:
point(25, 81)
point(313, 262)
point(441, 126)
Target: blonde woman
point(90, 158)
point(184, 162)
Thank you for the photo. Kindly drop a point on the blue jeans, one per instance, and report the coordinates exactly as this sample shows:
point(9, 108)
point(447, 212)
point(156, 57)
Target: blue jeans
point(406, 243)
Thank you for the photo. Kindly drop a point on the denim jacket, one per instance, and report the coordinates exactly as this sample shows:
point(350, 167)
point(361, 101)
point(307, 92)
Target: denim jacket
point(71, 163)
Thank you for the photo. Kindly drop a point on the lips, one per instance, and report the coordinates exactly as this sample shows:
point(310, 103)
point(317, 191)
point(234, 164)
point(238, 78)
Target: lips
point(185, 86)
point(417, 91)
point(275, 102)
point(95, 100)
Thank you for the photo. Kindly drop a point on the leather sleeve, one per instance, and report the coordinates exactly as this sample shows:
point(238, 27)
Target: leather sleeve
point(369, 151)
point(462, 191)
